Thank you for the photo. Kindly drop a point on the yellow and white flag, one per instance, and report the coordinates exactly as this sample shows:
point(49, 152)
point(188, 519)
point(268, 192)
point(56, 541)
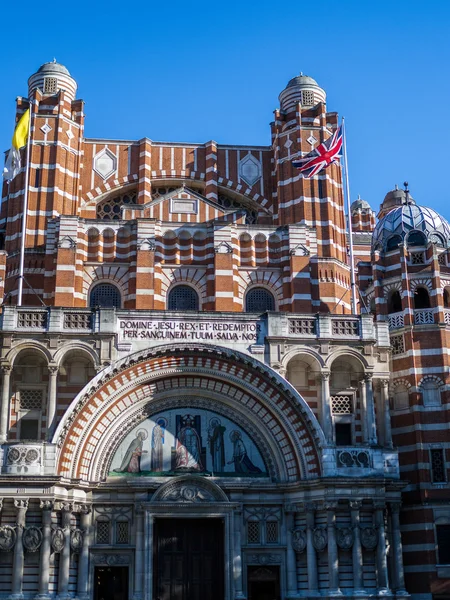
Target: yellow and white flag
point(20, 138)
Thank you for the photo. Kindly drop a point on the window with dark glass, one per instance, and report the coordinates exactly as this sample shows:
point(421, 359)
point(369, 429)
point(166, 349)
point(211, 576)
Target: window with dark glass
point(393, 242)
point(443, 543)
point(182, 297)
point(343, 434)
point(438, 474)
point(417, 238)
point(395, 302)
point(421, 298)
point(259, 300)
point(106, 296)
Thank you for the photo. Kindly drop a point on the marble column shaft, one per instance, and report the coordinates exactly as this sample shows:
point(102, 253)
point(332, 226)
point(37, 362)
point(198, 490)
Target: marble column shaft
point(326, 408)
point(139, 556)
point(83, 563)
point(44, 565)
point(292, 589)
point(51, 402)
point(18, 558)
point(333, 561)
point(397, 548)
point(64, 557)
point(370, 404)
point(382, 569)
point(357, 555)
point(4, 413)
point(363, 402)
point(386, 413)
point(237, 558)
point(311, 557)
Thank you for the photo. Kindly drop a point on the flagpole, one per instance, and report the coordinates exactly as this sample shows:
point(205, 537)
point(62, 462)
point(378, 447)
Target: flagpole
point(24, 215)
point(349, 220)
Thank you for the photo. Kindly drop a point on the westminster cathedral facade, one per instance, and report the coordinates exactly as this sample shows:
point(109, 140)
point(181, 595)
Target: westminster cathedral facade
point(191, 408)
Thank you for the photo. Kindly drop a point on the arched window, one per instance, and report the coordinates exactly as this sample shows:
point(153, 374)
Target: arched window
point(446, 298)
point(417, 238)
point(401, 397)
point(259, 300)
point(421, 298)
point(105, 295)
point(395, 302)
point(182, 297)
point(393, 242)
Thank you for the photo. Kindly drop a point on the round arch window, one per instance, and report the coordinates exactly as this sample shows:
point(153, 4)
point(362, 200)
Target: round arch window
point(182, 297)
point(259, 300)
point(105, 295)
point(417, 238)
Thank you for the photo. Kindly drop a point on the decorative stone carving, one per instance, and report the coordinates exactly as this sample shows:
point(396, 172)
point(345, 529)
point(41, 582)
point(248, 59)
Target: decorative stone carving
point(369, 538)
point(7, 538)
point(320, 538)
point(264, 559)
point(353, 458)
point(58, 540)
point(46, 504)
point(147, 244)
point(111, 559)
point(250, 170)
point(299, 540)
point(67, 242)
point(299, 250)
point(32, 538)
point(105, 163)
point(189, 493)
point(76, 540)
point(23, 455)
point(223, 248)
point(344, 537)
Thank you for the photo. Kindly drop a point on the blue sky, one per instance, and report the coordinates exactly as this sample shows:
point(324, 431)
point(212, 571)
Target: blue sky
point(196, 71)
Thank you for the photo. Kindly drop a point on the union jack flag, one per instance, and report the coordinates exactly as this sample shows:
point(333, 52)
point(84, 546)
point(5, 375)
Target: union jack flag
point(321, 157)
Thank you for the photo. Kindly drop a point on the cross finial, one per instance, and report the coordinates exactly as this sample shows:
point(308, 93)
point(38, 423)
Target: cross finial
point(54, 59)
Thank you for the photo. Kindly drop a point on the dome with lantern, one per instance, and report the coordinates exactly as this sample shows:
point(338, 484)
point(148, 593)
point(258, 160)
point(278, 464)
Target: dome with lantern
point(407, 222)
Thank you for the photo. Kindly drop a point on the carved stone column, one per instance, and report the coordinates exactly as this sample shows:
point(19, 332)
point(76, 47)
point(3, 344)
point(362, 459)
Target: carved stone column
point(333, 560)
point(397, 549)
point(370, 403)
point(386, 412)
point(139, 555)
point(64, 557)
point(4, 412)
point(18, 560)
point(326, 407)
point(83, 563)
point(311, 558)
point(51, 402)
point(291, 559)
point(44, 566)
point(237, 554)
point(357, 556)
point(363, 402)
point(382, 569)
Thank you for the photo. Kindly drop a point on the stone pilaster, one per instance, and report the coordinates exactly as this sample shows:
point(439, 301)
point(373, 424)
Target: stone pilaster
point(381, 559)
point(311, 558)
point(386, 412)
point(357, 555)
point(370, 405)
point(399, 580)
point(51, 401)
point(4, 412)
point(139, 555)
point(64, 558)
point(237, 554)
point(326, 407)
point(333, 560)
point(291, 559)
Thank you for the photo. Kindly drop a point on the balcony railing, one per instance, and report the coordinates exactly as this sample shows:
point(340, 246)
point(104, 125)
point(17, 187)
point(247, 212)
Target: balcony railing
point(396, 320)
point(424, 316)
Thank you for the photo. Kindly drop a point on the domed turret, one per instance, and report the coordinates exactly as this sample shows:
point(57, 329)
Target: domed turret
point(359, 204)
point(301, 89)
point(393, 199)
point(363, 217)
point(52, 77)
point(410, 223)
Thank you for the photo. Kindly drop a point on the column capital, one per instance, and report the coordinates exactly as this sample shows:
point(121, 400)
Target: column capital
point(379, 504)
point(6, 368)
point(325, 375)
point(330, 506)
point(384, 381)
point(46, 504)
point(309, 507)
point(53, 369)
point(395, 506)
point(368, 377)
point(66, 506)
point(1, 504)
point(85, 509)
point(355, 504)
point(21, 504)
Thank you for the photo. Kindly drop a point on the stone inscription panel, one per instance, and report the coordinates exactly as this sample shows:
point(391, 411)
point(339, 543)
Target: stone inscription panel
point(237, 332)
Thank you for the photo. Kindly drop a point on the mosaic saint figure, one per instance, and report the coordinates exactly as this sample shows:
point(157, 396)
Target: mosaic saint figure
point(216, 445)
point(188, 446)
point(158, 434)
point(242, 463)
point(131, 462)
